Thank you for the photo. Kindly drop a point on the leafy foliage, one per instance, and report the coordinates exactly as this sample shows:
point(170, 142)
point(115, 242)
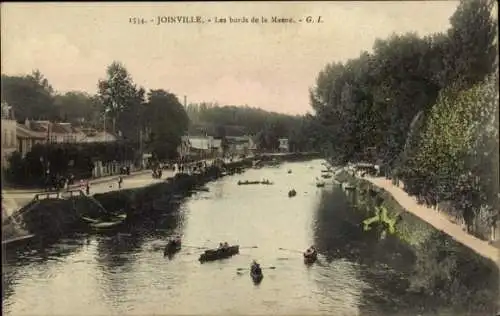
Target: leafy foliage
point(167, 122)
point(31, 96)
point(424, 106)
point(267, 127)
point(63, 159)
point(122, 100)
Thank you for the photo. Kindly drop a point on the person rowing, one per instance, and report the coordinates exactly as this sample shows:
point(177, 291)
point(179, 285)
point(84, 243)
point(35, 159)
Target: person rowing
point(174, 242)
point(255, 268)
point(310, 251)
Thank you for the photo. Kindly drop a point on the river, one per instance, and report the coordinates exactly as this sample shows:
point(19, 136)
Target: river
point(128, 274)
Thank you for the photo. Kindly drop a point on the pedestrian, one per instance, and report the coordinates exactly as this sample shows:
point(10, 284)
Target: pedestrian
point(82, 185)
point(120, 181)
point(87, 187)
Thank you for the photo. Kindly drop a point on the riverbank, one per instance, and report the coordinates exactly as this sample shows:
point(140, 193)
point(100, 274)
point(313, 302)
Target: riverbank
point(50, 217)
point(408, 204)
point(437, 220)
point(161, 195)
point(444, 266)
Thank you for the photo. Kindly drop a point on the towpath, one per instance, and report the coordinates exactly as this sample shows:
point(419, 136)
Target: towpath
point(15, 199)
point(439, 221)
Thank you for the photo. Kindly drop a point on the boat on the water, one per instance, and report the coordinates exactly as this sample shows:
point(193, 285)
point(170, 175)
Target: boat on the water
point(256, 273)
point(109, 223)
point(292, 193)
point(172, 247)
point(310, 256)
point(320, 184)
point(248, 182)
point(267, 182)
point(220, 253)
point(326, 176)
point(256, 277)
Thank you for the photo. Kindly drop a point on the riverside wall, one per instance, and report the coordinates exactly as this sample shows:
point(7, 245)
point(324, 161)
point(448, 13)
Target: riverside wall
point(52, 217)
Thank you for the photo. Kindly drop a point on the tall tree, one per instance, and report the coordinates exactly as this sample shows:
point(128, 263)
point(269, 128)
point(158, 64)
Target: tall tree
point(472, 45)
point(76, 107)
point(167, 121)
point(122, 100)
point(30, 96)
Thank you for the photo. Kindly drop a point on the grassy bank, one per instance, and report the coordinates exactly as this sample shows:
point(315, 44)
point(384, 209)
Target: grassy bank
point(441, 269)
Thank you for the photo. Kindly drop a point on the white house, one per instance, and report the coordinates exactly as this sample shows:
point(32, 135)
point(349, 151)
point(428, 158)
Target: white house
point(9, 141)
point(284, 146)
point(199, 146)
point(56, 132)
point(91, 135)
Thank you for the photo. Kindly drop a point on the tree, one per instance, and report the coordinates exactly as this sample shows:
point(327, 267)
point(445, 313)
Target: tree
point(167, 121)
point(472, 45)
point(418, 102)
point(122, 100)
point(77, 107)
point(30, 96)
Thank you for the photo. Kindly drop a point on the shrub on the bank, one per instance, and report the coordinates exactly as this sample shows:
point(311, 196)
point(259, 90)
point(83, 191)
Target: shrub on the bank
point(457, 156)
point(443, 270)
point(63, 159)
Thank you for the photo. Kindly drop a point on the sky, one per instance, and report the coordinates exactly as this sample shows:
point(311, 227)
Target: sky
point(265, 65)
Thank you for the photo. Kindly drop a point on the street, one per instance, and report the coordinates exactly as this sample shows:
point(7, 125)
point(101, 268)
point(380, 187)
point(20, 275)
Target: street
point(13, 200)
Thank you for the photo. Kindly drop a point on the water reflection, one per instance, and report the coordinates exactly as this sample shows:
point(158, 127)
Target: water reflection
point(388, 266)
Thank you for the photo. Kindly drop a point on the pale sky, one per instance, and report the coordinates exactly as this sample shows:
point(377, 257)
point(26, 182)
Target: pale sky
point(270, 66)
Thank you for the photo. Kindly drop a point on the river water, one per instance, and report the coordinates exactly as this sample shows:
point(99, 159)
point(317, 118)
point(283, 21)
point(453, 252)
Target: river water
point(128, 274)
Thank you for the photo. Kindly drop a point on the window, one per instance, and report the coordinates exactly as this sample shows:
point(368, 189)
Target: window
point(53, 139)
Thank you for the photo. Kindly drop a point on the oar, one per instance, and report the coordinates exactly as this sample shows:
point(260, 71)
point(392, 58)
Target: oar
point(195, 247)
point(245, 269)
point(292, 250)
point(249, 247)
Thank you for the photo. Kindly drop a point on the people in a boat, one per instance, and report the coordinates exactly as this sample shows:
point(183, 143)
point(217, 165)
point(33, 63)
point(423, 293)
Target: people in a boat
point(175, 241)
point(256, 267)
point(221, 245)
point(226, 245)
point(310, 251)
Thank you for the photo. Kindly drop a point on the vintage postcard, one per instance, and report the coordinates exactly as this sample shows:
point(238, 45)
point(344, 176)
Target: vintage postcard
point(250, 158)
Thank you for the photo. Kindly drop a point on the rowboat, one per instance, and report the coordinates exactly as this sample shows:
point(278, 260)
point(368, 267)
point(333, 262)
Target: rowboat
point(218, 254)
point(115, 221)
point(248, 182)
point(292, 193)
point(172, 247)
point(310, 257)
point(256, 276)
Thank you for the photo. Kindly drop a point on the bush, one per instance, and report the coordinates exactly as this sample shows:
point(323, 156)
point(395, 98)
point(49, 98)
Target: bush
point(64, 159)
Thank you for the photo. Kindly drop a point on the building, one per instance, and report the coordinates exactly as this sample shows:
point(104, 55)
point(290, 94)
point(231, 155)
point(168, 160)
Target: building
point(284, 145)
point(200, 146)
point(56, 132)
point(91, 135)
point(241, 145)
point(9, 142)
point(27, 138)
